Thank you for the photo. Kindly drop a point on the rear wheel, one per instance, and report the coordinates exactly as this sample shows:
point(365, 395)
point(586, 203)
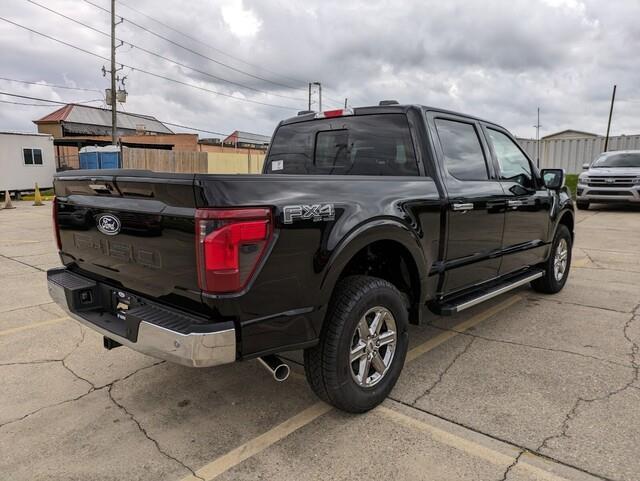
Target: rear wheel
point(582, 204)
point(362, 346)
point(558, 265)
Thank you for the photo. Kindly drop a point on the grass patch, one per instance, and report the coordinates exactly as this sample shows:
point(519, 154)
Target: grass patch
point(32, 197)
point(47, 194)
point(572, 182)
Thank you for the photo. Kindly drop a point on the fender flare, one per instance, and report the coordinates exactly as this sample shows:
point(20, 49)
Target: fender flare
point(564, 210)
point(365, 234)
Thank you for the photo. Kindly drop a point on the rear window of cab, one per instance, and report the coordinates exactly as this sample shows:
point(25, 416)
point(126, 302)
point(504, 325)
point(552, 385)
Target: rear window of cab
point(377, 144)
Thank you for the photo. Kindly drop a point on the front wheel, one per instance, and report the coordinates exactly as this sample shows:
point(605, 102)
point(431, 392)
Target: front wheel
point(558, 265)
point(582, 204)
point(362, 346)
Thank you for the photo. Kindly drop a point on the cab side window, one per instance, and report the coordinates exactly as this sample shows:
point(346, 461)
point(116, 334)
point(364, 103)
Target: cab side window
point(463, 154)
point(514, 165)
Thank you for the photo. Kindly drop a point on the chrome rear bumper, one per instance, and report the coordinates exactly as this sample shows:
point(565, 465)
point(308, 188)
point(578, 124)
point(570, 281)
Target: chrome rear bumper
point(195, 349)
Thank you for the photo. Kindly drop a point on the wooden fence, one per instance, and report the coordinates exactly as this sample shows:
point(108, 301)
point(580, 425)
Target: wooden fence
point(235, 163)
point(159, 160)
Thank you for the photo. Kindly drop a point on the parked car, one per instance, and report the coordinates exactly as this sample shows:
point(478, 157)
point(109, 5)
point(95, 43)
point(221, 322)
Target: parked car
point(614, 177)
point(362, 222)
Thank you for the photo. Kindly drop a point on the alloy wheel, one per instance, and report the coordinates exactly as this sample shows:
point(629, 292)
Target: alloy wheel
point(373, 346)
point(560, 260)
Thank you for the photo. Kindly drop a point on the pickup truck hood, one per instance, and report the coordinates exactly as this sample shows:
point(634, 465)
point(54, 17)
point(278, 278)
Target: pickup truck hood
point(614, 171)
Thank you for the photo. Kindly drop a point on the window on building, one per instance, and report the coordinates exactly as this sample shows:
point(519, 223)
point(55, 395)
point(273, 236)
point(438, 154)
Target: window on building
point(463, 154)
point(32, 156)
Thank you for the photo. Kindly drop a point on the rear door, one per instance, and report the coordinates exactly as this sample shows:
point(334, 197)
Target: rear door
point(528, 203)
point(475, 209)
point(135, 231)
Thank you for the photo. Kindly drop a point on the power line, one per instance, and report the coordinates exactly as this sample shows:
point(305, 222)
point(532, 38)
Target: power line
point(46, 100)
point(158, 55)
point(201, 130)
point(208, 45)
point(195, 52)
point(147, 72)
point(339, 102)
point(50, 85)
point(24, 103)
point(146, 117)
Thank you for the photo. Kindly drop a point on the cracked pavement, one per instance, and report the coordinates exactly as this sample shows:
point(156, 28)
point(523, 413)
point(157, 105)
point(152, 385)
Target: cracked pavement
point(547, 388)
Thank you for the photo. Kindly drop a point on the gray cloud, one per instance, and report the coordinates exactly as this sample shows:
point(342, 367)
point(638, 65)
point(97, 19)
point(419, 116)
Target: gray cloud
point(496, 59)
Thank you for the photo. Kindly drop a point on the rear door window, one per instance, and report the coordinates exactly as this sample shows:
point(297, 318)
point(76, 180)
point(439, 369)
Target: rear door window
point(357, 145)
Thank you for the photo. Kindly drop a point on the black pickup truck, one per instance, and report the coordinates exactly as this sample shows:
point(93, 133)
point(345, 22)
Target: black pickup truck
point(362, 221)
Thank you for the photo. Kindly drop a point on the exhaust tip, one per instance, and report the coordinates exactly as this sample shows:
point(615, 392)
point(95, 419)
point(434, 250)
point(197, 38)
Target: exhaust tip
point(279, 369)
point(281, 373)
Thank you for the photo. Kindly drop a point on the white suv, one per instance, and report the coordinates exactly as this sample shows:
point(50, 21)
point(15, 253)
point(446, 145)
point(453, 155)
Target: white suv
point(612, 177)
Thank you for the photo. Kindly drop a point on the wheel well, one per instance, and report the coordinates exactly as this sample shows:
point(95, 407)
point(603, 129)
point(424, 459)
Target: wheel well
point(567, 219)
point(391, 261)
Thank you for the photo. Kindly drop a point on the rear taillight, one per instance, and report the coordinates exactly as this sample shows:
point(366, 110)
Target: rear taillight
point(56, 227)
point(230, 243)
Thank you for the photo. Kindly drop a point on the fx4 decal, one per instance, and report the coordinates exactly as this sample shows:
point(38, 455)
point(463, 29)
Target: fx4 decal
point(315, 212)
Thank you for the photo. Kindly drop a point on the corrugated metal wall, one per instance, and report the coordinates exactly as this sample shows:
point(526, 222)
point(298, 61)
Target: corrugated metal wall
point(570, 154)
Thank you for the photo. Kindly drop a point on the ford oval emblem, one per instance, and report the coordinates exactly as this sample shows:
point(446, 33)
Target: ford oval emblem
point(108, 224)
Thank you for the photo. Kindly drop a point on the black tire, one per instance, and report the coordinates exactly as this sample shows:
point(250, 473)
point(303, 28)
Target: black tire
point(582, 204)
point(548, 283)
point(327, 366)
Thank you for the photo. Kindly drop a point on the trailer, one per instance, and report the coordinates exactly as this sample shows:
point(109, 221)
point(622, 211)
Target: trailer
point(26, 159)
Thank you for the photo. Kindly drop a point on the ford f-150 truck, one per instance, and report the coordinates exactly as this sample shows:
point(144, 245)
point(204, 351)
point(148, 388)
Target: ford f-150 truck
point(362, 221)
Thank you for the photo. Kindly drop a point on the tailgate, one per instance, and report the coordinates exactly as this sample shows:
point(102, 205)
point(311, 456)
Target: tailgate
point(132, 229)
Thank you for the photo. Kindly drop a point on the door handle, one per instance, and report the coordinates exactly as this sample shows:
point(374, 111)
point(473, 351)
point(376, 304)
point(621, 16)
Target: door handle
point(514, 203)
point(462, 207)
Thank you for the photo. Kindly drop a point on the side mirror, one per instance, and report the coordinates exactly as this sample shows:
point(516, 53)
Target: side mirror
point(585, 166)
point(553, 178)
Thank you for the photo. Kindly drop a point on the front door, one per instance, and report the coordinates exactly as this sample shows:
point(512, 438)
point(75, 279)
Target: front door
point(528, 203)
point(475, 210)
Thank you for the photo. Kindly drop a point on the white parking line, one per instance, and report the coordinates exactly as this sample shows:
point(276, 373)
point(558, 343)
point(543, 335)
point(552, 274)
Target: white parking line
point(262, 442)
point(478, 445)
point(227, 461)
point(6, 332)
point(449, 438)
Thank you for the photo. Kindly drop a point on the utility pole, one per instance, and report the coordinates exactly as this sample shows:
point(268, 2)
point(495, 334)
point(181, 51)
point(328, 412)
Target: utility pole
point(114, 115)
point(319, 85)
point(613, 99)
point(537, 126)
point(345, 103)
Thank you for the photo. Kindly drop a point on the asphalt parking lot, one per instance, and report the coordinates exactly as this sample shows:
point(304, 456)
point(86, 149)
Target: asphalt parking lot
point(526, 387)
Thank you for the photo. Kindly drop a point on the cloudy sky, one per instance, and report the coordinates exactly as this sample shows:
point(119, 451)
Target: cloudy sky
point(496, 59)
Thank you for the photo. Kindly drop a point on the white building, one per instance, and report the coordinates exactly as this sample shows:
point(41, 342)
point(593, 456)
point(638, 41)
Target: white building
point(26, 159)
